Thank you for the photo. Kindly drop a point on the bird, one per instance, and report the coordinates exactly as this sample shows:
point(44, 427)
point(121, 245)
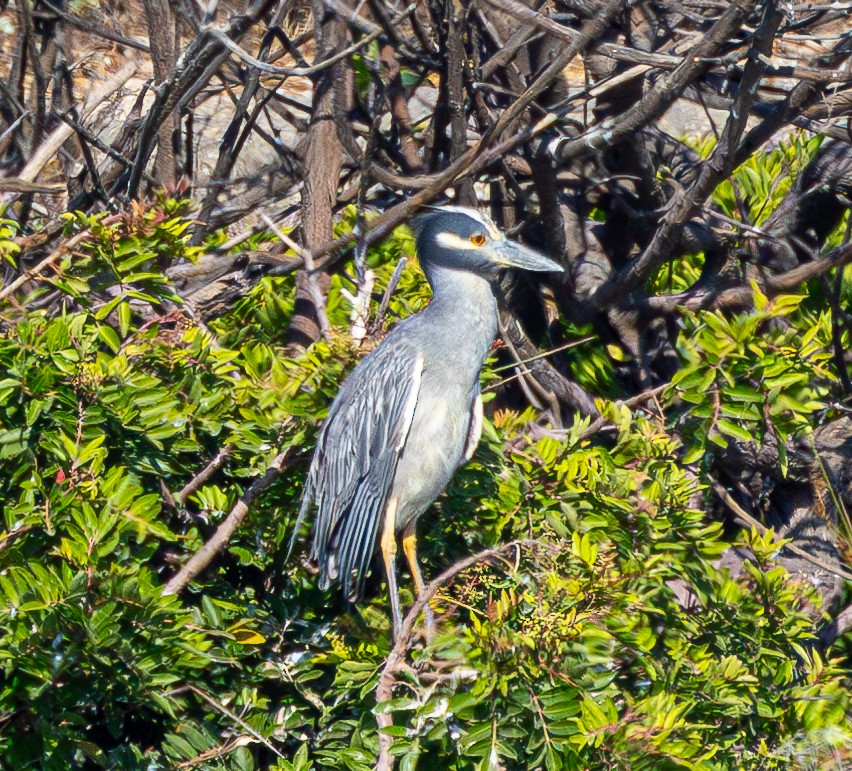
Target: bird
point(410, 413)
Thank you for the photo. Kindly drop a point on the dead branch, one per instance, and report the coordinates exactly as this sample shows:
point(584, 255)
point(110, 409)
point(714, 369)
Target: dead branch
point(219, 540)
point(55, 140)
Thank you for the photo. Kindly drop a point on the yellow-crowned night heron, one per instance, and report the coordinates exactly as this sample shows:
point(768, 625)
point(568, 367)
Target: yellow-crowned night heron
point(410, 413)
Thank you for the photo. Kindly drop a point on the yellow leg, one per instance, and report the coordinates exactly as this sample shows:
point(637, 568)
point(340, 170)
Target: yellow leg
point(409, 546)
point(388, 544)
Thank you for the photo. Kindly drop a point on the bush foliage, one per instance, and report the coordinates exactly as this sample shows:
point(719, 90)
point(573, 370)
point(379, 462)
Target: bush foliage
point(577, 652)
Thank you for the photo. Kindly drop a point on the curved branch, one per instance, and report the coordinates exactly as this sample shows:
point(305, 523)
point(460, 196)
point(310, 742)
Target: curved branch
point(396, 658)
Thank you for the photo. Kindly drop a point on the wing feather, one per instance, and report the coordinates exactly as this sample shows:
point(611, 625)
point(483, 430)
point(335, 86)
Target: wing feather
point(354, 464)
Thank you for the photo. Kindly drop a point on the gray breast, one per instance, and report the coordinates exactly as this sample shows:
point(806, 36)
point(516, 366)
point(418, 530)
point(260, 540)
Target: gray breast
point(435, 446)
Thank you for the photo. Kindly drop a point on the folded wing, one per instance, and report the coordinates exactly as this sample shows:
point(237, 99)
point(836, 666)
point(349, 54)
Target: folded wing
point(355, 462)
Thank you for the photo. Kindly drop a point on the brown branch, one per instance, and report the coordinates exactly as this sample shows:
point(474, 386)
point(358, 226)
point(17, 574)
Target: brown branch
point(7, 539)
point(453, 87)
point(162, 34)
point(202, 476)
point(633, 401)
point(590, 33)
point(50, 146)
point(743, 296)
point(322, 65)
point(18, 185)
point(549, 381)
point(750, 521)
point(322, 159)
point(87, 136)
point(205, 555)
point(654, 58)
point(30, 273)
point(94, 28)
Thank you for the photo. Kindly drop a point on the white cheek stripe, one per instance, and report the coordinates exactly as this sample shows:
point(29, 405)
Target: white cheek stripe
point(452, 241)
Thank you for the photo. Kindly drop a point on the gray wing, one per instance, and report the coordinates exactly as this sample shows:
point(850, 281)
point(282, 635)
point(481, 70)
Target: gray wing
point(355, 461)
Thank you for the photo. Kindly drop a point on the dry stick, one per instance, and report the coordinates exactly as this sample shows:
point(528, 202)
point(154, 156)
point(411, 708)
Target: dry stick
point(30, 273)
point(777, 117)
point(202, 476)
point(529, 359)
point(313, 286)
point(743, 296)
point(52, 143)
point(225, 711)
point(591, 31)
point(633, 401)
point(271, 69)
point(654, 58)
point(18, 185)
point(454, 91)
point(748, 519)
point(396, 658)
point(699, 94)
point(204, 556)
point(476, 158)
point(601, 422)
point(85, 135)
point(527, 380)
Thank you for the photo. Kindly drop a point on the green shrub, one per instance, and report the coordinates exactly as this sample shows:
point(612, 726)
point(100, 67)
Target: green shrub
point(577, 654)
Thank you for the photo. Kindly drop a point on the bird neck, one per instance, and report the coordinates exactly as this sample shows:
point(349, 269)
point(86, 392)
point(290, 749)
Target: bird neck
point(465, 304)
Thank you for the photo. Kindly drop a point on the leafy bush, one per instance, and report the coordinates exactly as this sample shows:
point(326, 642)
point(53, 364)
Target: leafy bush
point(579, 653)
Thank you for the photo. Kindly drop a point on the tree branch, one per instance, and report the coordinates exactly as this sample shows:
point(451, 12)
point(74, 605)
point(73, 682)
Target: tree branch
point(205, 555)
point(396, 658)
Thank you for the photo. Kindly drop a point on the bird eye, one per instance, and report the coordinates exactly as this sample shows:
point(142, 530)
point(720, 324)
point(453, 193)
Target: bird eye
point(477, 239)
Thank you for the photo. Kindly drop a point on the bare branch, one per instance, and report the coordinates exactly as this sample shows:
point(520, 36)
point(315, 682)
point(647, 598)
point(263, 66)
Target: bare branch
point(219, 540)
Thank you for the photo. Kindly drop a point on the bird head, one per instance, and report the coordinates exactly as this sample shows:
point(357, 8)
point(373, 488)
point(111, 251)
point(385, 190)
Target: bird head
point(460, 238)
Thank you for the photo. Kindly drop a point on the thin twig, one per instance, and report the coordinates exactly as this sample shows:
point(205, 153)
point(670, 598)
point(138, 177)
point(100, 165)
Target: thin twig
point(396, 658)
point(30, 273)
point(743, 296)
point(202, 476)
point(228, 712)
point(205, 555)
point(748, 519)
point(316, 292)
point(304, 72)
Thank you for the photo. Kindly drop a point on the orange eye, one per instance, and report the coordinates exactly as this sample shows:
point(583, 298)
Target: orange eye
point(477, 239)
